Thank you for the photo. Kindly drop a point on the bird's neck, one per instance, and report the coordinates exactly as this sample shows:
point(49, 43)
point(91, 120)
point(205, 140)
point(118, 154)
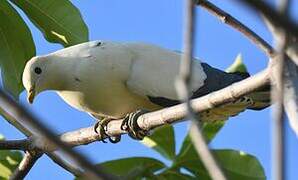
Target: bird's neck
point(59, 76)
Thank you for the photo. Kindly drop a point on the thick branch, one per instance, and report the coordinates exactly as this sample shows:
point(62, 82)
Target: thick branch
point(169, 115)
point(25, 165)
point(233, 22)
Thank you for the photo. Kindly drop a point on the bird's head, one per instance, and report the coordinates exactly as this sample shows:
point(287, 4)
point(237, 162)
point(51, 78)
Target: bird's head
point(33, 77)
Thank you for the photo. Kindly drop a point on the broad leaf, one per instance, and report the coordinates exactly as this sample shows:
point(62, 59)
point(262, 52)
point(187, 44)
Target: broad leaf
point(16, 47)
point(235, 165)
point(9, 160)
point(59, 21)
point(239, 165)
point(133, 168)
point(163, 141)
point(211, 129)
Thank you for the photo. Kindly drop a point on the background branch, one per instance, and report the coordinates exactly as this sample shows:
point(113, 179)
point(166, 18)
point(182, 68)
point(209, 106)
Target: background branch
point(277, 94)
point(25, 165)
point(24, 144)
point(183, 86)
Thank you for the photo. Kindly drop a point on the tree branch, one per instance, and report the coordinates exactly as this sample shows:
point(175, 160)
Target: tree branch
point(233, 22)
point(25, 165)
point(24, 144)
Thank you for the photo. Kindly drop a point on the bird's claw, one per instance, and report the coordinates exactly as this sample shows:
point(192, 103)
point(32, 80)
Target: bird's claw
point(130, 125)
point(100, 127)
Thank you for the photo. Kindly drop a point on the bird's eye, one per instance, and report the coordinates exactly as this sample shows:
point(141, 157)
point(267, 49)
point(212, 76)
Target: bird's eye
point(37, 70)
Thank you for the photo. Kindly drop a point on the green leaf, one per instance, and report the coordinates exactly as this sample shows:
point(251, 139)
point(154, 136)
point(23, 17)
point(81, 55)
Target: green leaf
point(133, 168)
point(210, 129)
point(163, 141)
point(16, 47)
point(59, 21)
point(9, 160)
point(235, 165)
point(239, 165)
point(237, 66)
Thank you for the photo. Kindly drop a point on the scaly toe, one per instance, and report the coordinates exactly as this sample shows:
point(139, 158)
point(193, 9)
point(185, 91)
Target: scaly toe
point(130, 124)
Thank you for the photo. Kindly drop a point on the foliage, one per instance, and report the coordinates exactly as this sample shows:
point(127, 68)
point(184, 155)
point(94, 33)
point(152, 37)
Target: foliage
point(9, 160)
point(16, 47)
point(165, 145)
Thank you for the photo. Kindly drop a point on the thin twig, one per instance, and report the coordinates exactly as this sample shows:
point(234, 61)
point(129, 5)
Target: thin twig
point(23, 144)
point(25, 165)
point(183, 90)
point(20, 114)
point(233, 22)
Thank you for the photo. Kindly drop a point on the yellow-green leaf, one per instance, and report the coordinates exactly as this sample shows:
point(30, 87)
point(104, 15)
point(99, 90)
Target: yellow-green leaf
point(9, 160)
point(163, 141)
point(16, 47)
point(59, 20)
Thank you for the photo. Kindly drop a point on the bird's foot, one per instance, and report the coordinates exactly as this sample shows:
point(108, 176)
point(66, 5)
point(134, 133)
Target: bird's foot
point(130, 125)
point(100, 127)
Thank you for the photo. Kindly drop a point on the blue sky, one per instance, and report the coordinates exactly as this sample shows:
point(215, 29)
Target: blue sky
point(160, 22)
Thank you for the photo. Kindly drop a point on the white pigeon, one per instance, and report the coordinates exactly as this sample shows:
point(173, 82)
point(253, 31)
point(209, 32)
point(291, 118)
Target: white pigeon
point(110, 80)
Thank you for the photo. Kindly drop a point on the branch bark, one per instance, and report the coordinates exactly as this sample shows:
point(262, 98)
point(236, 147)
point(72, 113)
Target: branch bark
point(23, 144)
point(25, 165)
